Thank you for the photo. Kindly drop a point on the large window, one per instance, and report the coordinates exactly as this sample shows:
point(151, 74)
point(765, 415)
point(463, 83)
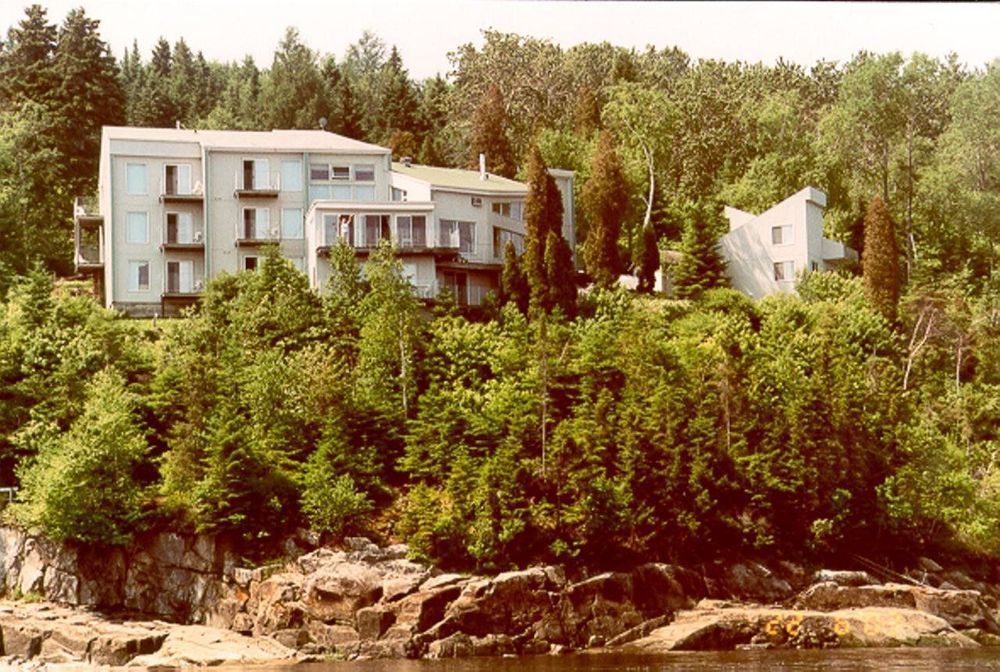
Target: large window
point(781, 235)
point(500, 238)
point(291, 175)
point(255, 223)
point(364, 172)
point(784, 271)
point(461, 235)
point(137, 228)
point(291, 223)
point(376, 228)
point(411, 230)
point(138, 276)
point(135, 178)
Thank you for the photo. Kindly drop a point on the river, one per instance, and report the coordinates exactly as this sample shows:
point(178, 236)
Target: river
point(912, 660)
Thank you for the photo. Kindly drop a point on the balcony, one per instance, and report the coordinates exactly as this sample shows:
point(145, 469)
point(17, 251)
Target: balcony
point(181, 235)
point(836, 253)
point(173, 193)
point(180, 283)
point(88, 235)
point(247, 184)
point(251, 234)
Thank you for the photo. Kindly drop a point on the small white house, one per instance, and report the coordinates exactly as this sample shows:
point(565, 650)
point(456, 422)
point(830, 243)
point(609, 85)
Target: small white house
point(765, 252)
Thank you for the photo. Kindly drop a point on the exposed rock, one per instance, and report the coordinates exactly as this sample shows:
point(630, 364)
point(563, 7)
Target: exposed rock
point(845, 578)
point(725, 629)
point(335, 592)
point(929, 565)
point(960, 608)
point(751, 581)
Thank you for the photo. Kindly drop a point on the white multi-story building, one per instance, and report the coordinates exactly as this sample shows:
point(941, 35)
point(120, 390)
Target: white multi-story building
point(176, 207)
point(765, 252)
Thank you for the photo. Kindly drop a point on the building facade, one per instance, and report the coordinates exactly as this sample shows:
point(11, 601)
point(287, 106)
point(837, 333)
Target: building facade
point(176, 207)
point(765, 253)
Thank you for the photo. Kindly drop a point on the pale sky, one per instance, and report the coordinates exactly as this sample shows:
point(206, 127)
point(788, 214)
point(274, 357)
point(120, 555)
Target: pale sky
point(426, 30)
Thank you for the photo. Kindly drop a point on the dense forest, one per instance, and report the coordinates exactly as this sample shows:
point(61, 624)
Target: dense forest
point(863, 412)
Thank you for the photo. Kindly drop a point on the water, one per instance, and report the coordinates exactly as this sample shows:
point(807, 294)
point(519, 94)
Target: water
point(912, 660)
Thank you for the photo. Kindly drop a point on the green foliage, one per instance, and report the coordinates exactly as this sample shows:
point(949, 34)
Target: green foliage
point(605, 200)
point(548, 265)
point(880, 262)
point(701, 267)
point(81, 486)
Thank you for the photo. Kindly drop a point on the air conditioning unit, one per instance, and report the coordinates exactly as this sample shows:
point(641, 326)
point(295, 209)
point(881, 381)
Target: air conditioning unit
point(199, 285)
point(274, 232)
point(199, 188)
point(477, 202)
point(198, 237)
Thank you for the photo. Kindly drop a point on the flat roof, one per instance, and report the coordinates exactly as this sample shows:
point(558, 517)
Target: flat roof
point(458, 179)
point(276, 140)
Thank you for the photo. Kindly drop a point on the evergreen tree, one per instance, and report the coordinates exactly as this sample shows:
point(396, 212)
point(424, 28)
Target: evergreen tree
point(398, 101)
point(345, 117)
point(294, 93)
point(513, 285)
point(647, 259)
point(880, 260)
point(88, 97)
point(82, 486)
point(701, 267)
point(605, 201)
point(488, 135)
point(26, 71)
point(548, 262)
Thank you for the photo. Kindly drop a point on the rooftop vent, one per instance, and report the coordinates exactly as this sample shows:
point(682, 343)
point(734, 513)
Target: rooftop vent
point(407, 160)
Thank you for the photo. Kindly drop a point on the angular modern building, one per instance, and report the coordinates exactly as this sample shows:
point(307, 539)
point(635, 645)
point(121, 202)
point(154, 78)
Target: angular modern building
point(765, 252)
point(176, 207)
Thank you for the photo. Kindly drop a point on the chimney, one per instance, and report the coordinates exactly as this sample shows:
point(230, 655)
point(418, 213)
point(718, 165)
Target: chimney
point(407, 161)
point(483, 175)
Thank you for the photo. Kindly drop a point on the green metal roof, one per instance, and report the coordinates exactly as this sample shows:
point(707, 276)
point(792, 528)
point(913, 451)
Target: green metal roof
point(461, 180)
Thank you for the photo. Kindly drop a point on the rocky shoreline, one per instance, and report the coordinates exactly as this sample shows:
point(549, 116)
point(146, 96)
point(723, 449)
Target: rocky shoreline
point(363, 601)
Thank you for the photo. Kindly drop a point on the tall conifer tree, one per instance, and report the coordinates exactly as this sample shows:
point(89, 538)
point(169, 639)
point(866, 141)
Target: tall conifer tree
point(605, 199)
point(880, 259)
point(488, 135)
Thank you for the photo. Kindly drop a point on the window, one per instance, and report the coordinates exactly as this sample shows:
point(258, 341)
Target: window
point(319, 172)
point(814, 266)
point(376, 228)
point(501, 209)
point(477, 202)
point(138, 276)
point(180, 277)
point(364, 193)
point(461, 235)
point(291, 175)
point(781, 235)
point(784, 271)
point(291, 223)
point(411, 230)
point(364, 172)
point(135, 178)
point(180, 227)
point(177, 179)
point(255, 223)
point(340, 172)
point(410, 272)
point(398, 194)
point(249, 263)
point(137, 228)
point(500, 238)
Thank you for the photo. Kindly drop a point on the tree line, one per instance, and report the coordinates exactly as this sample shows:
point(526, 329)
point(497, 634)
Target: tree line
point(862, 412)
